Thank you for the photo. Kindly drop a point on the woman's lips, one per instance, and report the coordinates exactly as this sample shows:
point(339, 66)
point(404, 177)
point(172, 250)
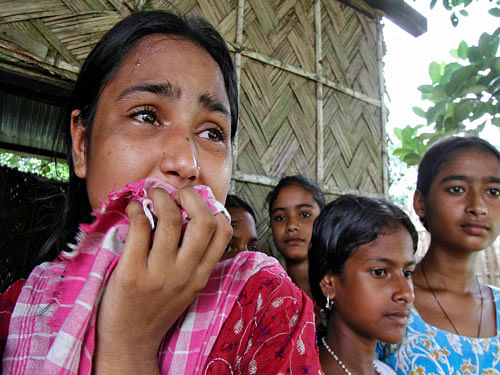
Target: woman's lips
point(400, 318)
point(294, 241)
point(474, 229)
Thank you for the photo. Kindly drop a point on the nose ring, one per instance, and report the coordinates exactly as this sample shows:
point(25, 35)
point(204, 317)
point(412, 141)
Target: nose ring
point(196, 165)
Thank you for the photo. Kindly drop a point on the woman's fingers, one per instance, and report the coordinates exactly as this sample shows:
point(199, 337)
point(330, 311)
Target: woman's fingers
point(135, 250)
point(221, 237)
point(163, 253)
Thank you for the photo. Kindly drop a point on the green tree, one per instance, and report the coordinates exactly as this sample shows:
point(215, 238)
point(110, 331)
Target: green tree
point(464, 95)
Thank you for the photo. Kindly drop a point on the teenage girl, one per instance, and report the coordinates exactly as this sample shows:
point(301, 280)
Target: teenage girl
point(360, 266)
point(294, 204)
point(454, 325)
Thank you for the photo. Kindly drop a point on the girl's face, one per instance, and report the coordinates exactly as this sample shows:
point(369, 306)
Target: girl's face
point(165, 114)
point(462, 208)
point(374, 293)
point(292, 218)
point(244, 232)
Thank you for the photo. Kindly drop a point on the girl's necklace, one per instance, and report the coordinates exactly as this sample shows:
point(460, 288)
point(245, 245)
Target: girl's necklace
point(443, 310)
point(337, 359)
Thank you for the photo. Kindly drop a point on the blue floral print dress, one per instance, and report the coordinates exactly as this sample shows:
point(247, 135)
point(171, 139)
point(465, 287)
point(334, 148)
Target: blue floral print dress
point(431, 351)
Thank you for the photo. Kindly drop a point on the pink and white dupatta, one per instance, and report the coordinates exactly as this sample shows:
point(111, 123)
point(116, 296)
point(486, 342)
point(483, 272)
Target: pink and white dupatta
point(52, 329)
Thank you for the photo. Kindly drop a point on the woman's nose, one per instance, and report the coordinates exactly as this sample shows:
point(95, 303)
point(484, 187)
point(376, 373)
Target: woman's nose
point(179, 162)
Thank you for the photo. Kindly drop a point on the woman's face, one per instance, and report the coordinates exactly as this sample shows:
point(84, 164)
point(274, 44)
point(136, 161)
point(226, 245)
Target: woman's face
point(292, 218)
point(165, 114)
point(462, 207)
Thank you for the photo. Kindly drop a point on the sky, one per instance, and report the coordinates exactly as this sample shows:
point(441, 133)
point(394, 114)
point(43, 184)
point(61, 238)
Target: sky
point(407, 60)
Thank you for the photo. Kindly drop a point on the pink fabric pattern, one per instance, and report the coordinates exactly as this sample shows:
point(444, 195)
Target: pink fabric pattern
point(52, 328)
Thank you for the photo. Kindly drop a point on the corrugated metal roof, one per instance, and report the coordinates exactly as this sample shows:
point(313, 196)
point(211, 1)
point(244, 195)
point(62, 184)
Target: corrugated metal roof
point(27, 124)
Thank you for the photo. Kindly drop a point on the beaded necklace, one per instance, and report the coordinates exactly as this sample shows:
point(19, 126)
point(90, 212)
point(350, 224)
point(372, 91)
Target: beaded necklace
point(337, 359)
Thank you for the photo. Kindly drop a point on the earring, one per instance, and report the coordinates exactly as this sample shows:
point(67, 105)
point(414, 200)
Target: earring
point(329, 302)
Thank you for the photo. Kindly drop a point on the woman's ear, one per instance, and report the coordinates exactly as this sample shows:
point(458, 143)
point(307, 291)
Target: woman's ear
point(419, 204)
point(327, 285)
point(78, 150)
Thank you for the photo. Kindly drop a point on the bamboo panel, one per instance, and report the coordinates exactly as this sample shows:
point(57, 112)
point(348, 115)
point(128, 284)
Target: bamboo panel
point(353, 143)
point(349, 47)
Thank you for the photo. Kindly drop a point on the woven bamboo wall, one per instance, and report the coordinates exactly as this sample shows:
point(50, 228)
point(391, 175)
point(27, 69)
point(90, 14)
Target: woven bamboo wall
point(309, 76)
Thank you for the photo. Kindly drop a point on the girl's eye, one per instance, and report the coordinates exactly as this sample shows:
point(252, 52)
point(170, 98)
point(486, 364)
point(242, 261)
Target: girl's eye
point(279, 218)
point(494, 192)
point(379, 272)
point(455, 189)
point(305, 214)
point(214, 134)
point(252, 248)
point(146, 115)
point(409, 274)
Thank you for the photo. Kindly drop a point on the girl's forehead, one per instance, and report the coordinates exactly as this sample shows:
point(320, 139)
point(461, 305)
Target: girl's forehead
point(470, 161)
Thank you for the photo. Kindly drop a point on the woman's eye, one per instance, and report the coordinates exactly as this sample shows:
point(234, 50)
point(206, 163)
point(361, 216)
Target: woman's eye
point(147, 116)
point(252, 248)
point(378, 272)
point(494, 192)
point(213, 134)
point(455, 189)
point(305, 214)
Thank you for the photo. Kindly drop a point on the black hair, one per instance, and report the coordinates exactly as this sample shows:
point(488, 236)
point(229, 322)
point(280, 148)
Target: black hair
point(233, 201)
point(98, 69)
point(442, 152)
point(298, 180)
point(342, 227)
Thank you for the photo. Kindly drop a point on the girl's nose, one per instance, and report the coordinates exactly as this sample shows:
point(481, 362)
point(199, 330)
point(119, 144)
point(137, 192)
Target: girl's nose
point(403, 291)
point(476, 205)
point(178, 162)
point(292, 224)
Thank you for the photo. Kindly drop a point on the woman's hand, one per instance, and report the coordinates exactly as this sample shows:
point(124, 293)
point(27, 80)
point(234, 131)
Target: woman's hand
point(152, 285)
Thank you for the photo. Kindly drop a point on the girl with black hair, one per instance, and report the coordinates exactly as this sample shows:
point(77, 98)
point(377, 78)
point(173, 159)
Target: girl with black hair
point(361, 263)
point(454, 327)
point(293, 205)
point(149, 132)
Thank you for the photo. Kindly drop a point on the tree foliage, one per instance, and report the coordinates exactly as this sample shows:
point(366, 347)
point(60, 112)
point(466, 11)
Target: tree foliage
point(52, 170)
point(464, 95)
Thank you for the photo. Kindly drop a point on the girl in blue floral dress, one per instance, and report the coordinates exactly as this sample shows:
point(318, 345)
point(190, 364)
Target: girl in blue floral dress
point(453, 327)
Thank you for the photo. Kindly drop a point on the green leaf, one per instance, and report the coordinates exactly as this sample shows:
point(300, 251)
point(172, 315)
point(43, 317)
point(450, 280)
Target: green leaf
point(425, 89)
point(474, 54)
point(454, 19)
point(419, 112)
point(484, 45)
point(462, 110)
point(496, 121)
point(412, 159)
point(463, 12)
point(475, 89)
point(433, 4)
point(463, 50)
point(494, 12)
point(435, 72)
point(446, 5)
point(496, 65)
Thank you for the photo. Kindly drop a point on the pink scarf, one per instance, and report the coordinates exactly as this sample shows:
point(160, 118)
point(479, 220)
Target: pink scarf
point(52, 329)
